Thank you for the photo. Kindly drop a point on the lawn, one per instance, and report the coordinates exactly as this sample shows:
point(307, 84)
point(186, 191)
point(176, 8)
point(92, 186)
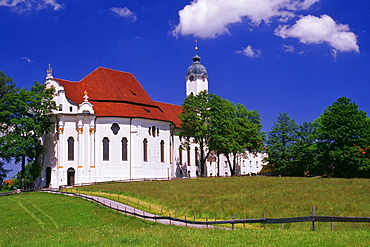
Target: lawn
point(42, 219)
point(245, 197)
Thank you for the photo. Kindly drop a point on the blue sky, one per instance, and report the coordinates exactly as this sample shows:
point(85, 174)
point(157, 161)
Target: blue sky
point(297, 56)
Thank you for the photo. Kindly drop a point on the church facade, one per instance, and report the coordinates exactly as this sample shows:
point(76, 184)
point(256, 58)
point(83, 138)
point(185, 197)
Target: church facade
point(108, 128)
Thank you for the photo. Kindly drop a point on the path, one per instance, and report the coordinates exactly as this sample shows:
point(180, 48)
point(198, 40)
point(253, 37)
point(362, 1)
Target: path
point(128, 210)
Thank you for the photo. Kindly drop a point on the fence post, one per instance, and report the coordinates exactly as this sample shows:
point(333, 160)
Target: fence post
point(314, 217)
point(233, 221)
point(332, 226)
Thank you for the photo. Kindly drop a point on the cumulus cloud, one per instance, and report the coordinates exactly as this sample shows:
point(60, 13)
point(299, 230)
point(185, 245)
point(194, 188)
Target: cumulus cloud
point(315, 30)
point(124, 12)
point(250, 52)
point(210, 18)
point(29, 5)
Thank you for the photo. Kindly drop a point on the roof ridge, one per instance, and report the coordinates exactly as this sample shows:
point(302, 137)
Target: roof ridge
point(111, 82)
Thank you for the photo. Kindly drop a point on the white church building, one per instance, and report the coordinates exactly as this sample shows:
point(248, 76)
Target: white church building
point(108, 128)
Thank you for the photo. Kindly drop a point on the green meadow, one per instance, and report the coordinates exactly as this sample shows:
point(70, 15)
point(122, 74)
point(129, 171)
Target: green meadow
point(42, 219)
point(244, 197)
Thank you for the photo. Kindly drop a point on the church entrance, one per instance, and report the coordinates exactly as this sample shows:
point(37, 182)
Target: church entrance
point(48, 177)
point(70, 176)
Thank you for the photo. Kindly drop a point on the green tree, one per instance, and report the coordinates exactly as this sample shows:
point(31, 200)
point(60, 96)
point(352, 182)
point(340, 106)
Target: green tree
point(222, 112)
point(7, 86)
point(244, 134)
point(223, 127)
point(279, 144)
point(195, 124)
point(304, 150)
point(25, 119)
point(344, 139)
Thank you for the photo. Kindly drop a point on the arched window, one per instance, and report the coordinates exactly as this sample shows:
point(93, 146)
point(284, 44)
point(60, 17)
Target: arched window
point(180, 155)
point(145, 149)
point(105, 148)
point(196, 156)
point(162, 151)
point(170, 152)
point(188, 154)
point(71, 149)
point(124, 148)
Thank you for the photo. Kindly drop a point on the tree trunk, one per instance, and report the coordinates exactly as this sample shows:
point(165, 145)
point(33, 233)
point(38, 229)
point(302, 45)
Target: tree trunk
point(202, 159)
point(230, 165)
point(218, 164)
point(23, 172)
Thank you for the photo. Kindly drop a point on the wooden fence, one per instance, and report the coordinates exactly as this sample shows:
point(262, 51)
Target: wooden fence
point(312, 218)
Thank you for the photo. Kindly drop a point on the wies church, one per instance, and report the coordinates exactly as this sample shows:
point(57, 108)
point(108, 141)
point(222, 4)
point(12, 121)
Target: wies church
point(108, 128)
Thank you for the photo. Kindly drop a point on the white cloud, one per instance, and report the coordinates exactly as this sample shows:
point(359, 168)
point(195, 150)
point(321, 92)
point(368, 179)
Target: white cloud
point(29, 5)
point(54, 4)
point(210, 18)
point(28, 60)
point(124, 12)
point(288, 48)
point(250, 52)
point(315, 30)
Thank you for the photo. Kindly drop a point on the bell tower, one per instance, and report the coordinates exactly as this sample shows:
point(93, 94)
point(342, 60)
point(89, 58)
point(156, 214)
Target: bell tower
point(196, 76)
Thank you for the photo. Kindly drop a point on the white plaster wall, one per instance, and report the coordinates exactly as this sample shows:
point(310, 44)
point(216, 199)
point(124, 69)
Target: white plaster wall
point(196, 86)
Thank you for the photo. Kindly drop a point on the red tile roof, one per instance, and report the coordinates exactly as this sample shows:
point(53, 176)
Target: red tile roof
point(172, 112)
point(118, 94)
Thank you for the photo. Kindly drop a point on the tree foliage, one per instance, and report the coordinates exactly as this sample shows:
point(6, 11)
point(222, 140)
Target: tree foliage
point(344, 139)
point(280, 142)
point(304, 149)
point(195, 124)
point(218, 125)
point(25, 118)
point(7, 86)
point(335, 144)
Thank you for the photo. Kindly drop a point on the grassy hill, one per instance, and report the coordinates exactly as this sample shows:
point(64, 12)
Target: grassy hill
point(247, 197)
point(41, 219)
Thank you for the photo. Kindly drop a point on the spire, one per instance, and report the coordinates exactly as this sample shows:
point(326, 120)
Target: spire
point(49, 73)
point(196, 47)
point(85, 96)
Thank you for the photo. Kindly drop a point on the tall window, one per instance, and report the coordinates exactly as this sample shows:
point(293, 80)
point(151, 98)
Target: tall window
point(145, 149)
point(71, 150)
point(170, 152)
point(105, 148)
point(162, 151)
point(180, 155)
point(124, 148)
point(188, 154)
point(196, 156)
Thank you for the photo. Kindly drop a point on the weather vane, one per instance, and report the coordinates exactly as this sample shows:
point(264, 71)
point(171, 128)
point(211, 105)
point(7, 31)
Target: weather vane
point(196, 46)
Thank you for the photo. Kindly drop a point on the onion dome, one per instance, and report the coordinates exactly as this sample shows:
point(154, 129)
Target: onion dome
point(196, 69)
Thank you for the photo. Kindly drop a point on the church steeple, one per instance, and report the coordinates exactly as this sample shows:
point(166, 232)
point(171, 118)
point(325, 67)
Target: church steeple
point(49, 73)
point(196, 75)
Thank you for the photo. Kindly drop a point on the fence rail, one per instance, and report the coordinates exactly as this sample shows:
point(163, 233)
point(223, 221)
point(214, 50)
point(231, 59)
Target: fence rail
point(9, 193)
point(313, 218)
